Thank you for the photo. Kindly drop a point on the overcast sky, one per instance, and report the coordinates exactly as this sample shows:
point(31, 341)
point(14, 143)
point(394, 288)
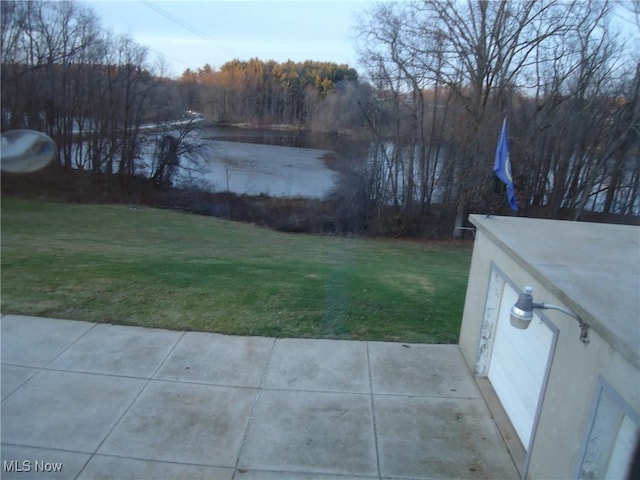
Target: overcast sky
point(193, 33)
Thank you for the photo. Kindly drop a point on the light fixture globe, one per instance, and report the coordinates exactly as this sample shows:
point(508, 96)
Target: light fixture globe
point(521, 313)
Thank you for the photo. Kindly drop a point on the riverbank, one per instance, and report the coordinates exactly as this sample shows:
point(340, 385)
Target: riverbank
point(358, 134)
point(257, 126)
point(328, 216)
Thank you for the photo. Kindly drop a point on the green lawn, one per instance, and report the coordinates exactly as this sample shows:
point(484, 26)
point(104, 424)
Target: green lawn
point(173, 270)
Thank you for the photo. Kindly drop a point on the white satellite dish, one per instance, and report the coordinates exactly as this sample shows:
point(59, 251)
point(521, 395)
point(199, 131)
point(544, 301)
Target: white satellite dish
point(25, 151)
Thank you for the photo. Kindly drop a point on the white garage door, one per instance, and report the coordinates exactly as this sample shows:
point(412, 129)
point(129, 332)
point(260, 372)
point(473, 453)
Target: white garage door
point(518, 365)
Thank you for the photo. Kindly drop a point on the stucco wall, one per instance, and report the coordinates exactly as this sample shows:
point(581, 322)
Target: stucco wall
point(573, 378)
point(571, 390)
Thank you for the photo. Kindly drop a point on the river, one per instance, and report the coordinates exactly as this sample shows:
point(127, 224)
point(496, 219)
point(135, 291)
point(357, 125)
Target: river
point(271, 162)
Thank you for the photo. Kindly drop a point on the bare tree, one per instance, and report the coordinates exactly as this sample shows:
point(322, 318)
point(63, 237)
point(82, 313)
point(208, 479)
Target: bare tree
point(63, 75)
point(551, 67)
point(171, 148)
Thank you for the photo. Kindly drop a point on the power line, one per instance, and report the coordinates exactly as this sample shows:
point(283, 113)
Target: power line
point(172, 58)
point(109, 32)
point(189, 27)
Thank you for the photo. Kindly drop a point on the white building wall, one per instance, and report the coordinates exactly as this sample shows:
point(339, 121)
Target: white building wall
point(567, 409)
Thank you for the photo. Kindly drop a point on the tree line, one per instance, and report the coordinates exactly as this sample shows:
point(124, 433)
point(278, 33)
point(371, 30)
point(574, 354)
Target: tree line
point(321, 96)
point(90, 90)
point(446, 73)
point(439, 78)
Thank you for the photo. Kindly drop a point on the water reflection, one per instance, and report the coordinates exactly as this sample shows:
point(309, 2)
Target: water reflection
point(249, 168)
point(349, 149)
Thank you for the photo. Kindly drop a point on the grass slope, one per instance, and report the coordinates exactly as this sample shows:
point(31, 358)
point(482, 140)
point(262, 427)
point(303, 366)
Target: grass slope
point(173, 270)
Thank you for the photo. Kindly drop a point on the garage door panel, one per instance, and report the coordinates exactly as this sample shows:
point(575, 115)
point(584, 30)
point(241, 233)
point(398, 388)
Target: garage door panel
point(519, 409)
point(518, 366)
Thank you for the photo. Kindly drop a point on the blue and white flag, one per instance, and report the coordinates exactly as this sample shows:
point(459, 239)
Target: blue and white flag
point(502, 166)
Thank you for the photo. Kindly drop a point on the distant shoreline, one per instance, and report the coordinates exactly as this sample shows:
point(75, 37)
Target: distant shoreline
point(289, 127)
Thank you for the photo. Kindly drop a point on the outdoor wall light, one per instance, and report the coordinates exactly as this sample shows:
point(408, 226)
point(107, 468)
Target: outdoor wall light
point(522, 313)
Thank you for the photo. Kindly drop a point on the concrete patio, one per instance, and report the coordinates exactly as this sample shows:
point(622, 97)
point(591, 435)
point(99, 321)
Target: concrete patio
point(120, 402)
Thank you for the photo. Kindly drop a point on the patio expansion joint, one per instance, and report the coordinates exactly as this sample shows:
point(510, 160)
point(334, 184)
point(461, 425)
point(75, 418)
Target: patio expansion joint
point(253, 408)
point(88, 372)
point(40, 447)
point(202, 383)
point(18, 387)
point(69, 346)
point(151, 378)
point(426, 396)
point(9, 364)
point(305, 473)
point(306, 390)
point(126, 410)
point(155, 460)
point(373, 411)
